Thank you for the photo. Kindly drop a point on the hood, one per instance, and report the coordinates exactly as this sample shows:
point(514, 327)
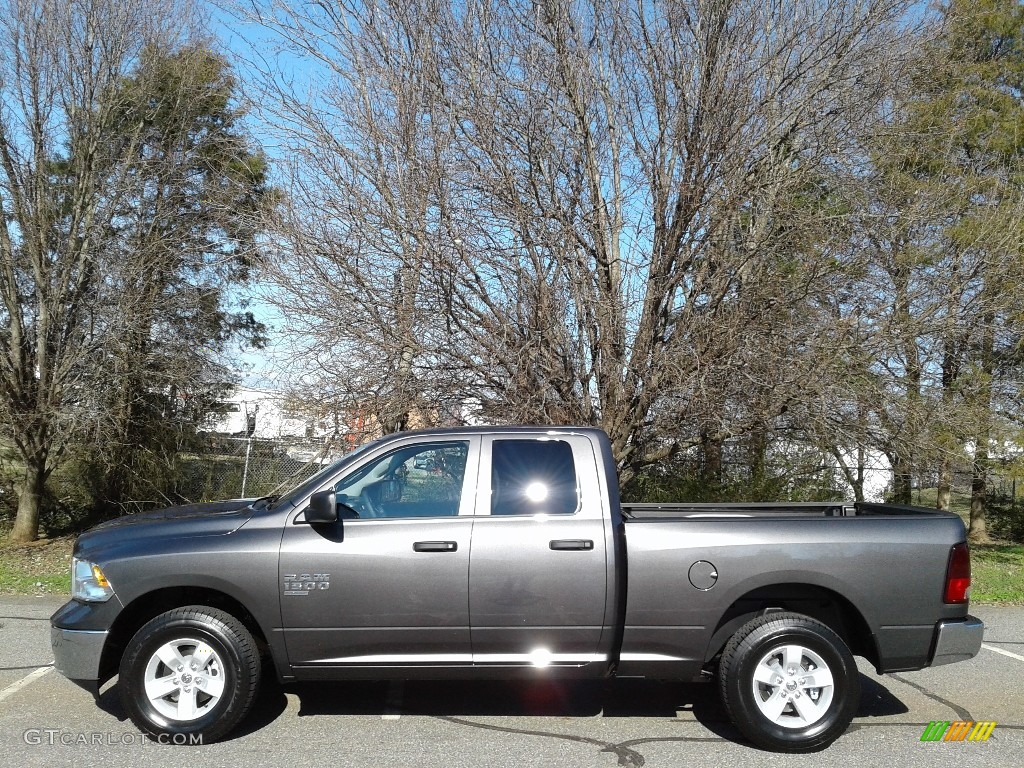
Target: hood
point(206, 509)
point(217, 518)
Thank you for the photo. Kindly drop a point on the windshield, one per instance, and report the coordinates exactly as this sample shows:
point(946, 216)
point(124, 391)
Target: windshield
point(309, 485)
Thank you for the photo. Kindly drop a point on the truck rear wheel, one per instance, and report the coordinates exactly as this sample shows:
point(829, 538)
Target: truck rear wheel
point(789, 683)
point(189, 675)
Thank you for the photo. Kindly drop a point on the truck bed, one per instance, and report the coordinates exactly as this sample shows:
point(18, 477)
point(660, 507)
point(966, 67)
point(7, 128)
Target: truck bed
point(884, 564)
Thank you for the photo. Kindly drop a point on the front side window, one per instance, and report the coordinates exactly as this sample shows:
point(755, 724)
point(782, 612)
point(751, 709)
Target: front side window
point(423, 480)
point(531, 477)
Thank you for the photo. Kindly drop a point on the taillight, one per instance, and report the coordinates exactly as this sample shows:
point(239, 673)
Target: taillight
point(958, 575)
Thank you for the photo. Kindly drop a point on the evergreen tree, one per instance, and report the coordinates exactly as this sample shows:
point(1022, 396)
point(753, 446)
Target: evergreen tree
point(948, 210)
point(181, 241)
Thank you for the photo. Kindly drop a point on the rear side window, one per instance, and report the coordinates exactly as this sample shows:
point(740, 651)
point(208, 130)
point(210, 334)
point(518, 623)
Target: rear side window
point(530, 477)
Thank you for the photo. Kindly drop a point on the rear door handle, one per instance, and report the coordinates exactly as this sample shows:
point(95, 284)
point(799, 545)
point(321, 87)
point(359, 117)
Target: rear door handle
point(435, 546)
point(571, 544)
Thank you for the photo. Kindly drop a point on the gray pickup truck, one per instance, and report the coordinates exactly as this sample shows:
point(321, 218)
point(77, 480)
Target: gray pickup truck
point(505, 552)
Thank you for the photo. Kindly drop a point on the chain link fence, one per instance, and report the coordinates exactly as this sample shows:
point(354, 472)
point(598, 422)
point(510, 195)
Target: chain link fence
point(240, 467)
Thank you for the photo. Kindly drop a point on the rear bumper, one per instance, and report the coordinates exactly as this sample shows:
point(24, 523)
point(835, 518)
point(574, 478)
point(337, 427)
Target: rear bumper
point(957, 640)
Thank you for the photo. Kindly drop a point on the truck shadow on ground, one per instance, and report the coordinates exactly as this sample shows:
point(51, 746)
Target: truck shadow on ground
point(529, 698)
point(532, 698)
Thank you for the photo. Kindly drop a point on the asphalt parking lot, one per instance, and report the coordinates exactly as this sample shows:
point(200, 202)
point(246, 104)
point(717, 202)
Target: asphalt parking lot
point(47, 721)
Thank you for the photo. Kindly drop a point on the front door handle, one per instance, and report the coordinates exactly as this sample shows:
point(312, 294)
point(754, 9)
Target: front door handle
point(435, 546)
point(562, 545)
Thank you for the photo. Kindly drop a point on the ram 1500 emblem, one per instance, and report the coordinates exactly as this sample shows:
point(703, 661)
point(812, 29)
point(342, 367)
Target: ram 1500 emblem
point(304, 583)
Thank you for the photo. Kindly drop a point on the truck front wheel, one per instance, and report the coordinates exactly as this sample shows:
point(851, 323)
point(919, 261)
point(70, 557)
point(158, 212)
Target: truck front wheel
point(789, 682)
point(189, 675)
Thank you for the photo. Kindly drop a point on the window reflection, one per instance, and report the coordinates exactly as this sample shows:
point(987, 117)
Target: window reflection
point(533, 477)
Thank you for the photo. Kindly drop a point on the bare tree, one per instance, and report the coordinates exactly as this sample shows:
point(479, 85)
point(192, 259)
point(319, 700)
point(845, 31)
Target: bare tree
point(596, 212)
point(360, 228)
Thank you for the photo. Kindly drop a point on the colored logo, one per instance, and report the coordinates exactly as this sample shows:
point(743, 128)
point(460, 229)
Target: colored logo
point(959, 730)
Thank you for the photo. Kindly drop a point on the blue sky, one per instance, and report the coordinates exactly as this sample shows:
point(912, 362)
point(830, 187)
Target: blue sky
point(268, 368)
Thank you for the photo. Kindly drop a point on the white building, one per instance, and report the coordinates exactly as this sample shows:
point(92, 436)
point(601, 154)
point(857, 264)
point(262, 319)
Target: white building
point(260, 413)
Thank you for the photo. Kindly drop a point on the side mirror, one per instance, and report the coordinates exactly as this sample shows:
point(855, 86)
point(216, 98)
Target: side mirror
point(323, 508)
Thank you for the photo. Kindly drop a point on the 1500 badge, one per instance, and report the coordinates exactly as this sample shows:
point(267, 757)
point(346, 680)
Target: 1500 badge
point(304, 583)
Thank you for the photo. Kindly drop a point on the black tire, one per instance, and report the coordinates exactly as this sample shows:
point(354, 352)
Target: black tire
point(203, 702)
point(788, 649)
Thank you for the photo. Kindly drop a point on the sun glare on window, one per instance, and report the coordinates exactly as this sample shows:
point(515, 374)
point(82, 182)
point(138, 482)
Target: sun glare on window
point(536, 492)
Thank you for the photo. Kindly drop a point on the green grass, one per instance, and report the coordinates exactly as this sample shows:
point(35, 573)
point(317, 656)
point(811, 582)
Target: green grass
point(997, 570)
point(15, 582)
point(997, 574)
point(42, 568)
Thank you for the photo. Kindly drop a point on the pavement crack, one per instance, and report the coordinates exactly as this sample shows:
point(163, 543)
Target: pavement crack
point(961, 712)
point(677, 739)
point(626, 756)
point(28, 666)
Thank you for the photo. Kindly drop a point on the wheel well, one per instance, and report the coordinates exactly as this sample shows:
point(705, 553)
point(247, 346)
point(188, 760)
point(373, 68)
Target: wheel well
point(828, 607)
point(152, 604)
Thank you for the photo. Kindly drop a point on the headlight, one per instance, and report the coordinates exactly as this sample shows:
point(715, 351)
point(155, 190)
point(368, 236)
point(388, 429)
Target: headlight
point(88, 582)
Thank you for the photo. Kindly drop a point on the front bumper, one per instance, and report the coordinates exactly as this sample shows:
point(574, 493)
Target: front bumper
point(77, 654)
point(78, 636)
point(957, 640)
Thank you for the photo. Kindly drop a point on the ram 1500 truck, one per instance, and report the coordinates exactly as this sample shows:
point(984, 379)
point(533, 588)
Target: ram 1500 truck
point(503, 552)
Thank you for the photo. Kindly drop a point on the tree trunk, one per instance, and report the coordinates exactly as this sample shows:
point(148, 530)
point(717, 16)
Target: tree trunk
point(977, 531)
point(758, 448)
point(858, 480)
point(901, 481)
point(26, 524)
point(116, 480)
point(950, 374)
point(711, 470)
point(945, 485)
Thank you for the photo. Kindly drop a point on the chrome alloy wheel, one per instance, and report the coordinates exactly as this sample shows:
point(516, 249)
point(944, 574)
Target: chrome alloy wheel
point(793, 686)
point(184, 679)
